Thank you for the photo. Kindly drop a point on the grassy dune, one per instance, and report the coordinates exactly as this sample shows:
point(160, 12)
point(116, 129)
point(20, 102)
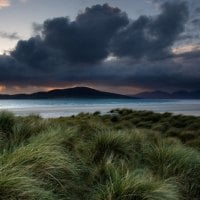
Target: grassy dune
point(124, 155)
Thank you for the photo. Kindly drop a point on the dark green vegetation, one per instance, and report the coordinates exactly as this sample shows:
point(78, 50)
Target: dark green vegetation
point(124, 155)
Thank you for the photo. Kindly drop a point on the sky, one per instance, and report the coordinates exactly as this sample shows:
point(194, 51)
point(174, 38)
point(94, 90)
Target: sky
point(123, 46)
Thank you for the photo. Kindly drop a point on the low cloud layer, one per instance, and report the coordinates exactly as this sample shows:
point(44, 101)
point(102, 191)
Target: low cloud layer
point(103, 46)
point(10, 36)
point(152, 37)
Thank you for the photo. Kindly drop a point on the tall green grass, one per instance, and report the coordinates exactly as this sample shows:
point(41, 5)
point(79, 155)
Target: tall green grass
point(16, 183)
point(136, 185)
point(110, 143)
point(172, 160)
point(124, 155)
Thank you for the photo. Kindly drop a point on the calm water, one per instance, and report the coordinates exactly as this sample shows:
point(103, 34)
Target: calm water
point(67, 107)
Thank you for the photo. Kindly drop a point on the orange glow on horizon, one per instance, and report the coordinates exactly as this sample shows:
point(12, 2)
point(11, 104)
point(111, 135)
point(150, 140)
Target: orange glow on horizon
point(126, 90)
point(4, 3)
point(62, 87)
point(2, 88)
point(17, 89)
point(32, 89)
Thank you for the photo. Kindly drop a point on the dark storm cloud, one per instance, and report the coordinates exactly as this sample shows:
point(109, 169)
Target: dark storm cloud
point(10, 36)
point(177, 73)
point(66, 51)
point(100, 31)
point(85, 40)
point(192, 26)
point(152, 37)
point(37, 55)
point(196, 22)
point(11, 70)
point(197, 10)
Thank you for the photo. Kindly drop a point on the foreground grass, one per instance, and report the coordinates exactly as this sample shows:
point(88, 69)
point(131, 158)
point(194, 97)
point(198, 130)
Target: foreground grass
point(124, 155)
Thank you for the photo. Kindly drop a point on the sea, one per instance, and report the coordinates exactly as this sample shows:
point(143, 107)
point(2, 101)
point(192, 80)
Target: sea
point(53, 108)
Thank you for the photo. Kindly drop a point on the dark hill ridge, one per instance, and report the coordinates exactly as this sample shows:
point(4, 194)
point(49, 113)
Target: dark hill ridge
point(89, 93)
point(77, 92)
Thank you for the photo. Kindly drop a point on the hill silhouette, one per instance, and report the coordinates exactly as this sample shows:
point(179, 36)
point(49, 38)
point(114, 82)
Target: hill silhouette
point(76, 92)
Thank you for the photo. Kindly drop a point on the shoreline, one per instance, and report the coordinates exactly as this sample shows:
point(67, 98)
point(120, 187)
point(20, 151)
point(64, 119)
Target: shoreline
point(57, 113)
point(66, 108)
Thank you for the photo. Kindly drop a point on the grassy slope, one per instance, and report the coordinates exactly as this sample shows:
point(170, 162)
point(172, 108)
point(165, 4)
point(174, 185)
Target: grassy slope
point(125, 155)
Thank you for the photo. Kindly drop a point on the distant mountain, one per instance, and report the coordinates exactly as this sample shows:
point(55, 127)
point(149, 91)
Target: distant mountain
point(77, 92)
point(165, 95)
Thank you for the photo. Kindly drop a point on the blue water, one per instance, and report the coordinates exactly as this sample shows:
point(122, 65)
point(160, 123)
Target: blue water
point(67, 107)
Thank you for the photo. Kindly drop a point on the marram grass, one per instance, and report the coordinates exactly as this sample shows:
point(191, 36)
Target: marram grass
point(16, 183)
point(124, 155)
point(135, 185)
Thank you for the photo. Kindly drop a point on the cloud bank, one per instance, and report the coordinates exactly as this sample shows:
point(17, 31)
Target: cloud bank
point(103, 46)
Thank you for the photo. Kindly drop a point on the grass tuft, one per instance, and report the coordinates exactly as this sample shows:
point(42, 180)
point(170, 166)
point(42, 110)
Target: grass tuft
point(136, 185)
